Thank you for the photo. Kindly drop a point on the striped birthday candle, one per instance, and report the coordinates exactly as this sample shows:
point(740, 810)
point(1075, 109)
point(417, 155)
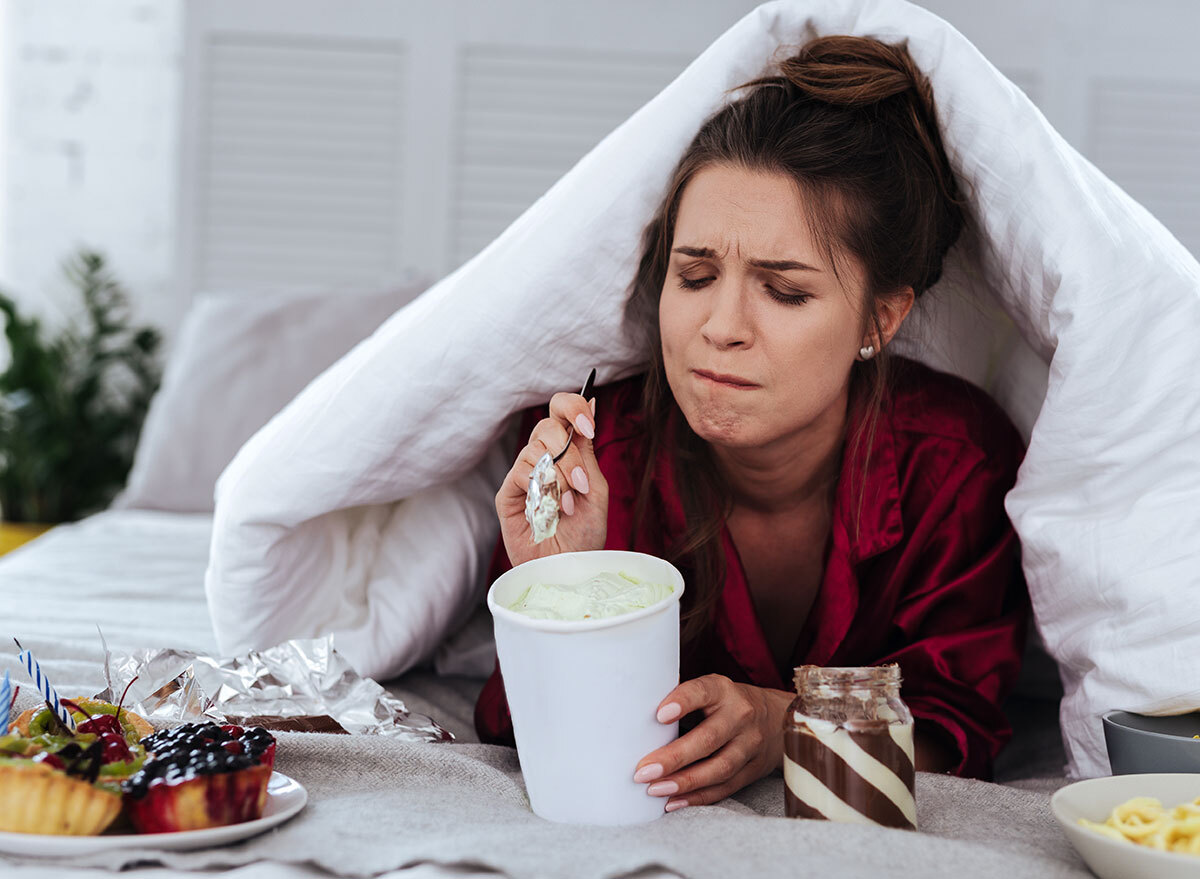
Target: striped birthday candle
point(5, 700)
point(45, 688)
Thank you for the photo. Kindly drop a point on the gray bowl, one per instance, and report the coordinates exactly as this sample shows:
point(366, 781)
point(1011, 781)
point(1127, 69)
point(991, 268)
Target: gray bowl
point(1139, 744)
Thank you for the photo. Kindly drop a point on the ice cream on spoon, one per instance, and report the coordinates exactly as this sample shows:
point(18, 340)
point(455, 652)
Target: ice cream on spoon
point(542, 499)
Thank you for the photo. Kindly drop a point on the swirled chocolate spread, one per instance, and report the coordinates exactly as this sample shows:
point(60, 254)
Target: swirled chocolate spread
point(848, 749)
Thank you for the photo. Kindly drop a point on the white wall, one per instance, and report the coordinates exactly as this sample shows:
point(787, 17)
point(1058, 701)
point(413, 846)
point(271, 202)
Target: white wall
point(90, 144)
point(93, 152)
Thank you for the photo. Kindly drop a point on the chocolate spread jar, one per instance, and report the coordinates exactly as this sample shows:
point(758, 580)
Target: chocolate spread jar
point(848, 747)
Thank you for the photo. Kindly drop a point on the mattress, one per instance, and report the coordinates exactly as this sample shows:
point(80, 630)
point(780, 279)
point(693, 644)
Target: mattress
point(138, 575)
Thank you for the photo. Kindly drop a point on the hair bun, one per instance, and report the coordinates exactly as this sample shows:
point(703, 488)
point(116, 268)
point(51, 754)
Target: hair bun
point(854, 71)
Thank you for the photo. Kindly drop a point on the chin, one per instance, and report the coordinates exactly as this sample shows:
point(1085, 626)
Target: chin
point(721, 426)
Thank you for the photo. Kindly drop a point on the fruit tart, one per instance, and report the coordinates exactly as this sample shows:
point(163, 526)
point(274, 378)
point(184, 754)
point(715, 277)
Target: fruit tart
point(116, 732)
point(92, 716)
point(55, 787)
point(200, 775)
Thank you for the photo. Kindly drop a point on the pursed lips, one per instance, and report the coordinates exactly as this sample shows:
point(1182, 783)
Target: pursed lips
point(724, 380)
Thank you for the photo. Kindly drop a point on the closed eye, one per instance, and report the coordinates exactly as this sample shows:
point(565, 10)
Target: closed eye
point(785, 298)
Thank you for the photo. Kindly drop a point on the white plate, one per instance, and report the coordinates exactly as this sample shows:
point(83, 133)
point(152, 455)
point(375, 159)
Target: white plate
point(1109, 859)
point(285, 797)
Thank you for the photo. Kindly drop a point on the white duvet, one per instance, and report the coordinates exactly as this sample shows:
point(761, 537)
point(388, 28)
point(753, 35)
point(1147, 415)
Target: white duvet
point(311, 534)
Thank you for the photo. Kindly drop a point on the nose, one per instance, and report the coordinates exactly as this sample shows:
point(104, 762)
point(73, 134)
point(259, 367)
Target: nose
point(728, 324)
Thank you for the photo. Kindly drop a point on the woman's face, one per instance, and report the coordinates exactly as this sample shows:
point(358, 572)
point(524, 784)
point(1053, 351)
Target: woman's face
point(758, 335)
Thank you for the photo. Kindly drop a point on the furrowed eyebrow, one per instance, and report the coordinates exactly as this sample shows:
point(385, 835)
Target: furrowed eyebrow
point(771, 265)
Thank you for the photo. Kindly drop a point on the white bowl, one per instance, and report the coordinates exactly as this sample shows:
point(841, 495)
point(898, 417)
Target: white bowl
point(1108, 858)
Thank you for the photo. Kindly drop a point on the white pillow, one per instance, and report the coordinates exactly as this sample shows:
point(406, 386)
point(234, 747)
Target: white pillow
point(238, 360)
point(1106, 502)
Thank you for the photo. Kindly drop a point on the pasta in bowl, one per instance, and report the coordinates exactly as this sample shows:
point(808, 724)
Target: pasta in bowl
point(1134, 826)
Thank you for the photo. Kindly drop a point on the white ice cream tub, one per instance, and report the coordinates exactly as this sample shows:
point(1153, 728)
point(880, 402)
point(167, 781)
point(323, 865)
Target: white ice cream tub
point(583, 694)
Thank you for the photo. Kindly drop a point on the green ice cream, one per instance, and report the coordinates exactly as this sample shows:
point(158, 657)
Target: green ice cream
point(605, 595)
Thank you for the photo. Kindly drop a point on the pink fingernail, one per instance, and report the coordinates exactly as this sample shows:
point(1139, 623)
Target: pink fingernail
point(579, 480)
point(585, 426)
point(568, 503)
point(663, 789)
point(672, 805)
point(649, 772)
point(669, 712)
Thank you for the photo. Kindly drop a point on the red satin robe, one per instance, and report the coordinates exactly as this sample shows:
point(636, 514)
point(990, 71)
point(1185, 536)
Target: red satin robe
point(931, 579)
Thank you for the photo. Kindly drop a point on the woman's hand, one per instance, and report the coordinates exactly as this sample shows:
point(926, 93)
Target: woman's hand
point(583, 488)
point(739, 741)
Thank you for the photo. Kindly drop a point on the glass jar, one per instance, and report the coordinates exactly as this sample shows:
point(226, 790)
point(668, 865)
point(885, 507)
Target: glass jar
point(848, 747)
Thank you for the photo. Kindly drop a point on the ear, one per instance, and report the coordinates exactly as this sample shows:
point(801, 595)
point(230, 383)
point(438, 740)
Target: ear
point(891, 311)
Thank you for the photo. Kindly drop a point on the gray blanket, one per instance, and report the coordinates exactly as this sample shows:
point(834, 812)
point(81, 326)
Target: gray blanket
point(377, 805)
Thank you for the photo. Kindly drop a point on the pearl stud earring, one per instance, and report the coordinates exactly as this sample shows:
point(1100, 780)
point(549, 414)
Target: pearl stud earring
point(866, 352)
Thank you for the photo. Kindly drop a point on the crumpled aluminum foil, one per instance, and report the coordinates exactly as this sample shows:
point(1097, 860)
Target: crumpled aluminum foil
point(541, 501)
point(301, 678)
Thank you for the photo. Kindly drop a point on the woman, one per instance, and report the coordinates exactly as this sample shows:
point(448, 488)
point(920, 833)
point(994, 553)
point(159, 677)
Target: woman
point(827, 503)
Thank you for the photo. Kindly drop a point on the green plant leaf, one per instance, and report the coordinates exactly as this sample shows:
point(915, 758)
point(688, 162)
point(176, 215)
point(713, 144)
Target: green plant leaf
point(72, 404)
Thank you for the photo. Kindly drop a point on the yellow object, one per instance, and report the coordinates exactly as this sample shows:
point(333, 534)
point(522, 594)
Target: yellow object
point(35, 798)
point(1144, 821)
point(14, 534)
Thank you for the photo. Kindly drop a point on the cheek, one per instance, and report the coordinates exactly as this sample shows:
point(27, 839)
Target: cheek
point(676, 324)
point(810, 361)
point(809, 348)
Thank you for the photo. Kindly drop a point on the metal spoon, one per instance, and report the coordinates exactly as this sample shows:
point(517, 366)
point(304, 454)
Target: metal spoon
point(542, 499)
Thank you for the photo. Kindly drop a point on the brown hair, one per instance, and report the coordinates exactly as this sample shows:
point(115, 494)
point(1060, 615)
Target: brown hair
point(852, 121)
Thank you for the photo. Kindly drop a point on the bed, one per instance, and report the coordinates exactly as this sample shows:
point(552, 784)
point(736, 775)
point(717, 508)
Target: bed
point(138, 575)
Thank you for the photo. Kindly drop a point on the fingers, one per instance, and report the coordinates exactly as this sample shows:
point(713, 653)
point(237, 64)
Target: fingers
point(516, 482)
point(726, 751)
point(697, 694)
point(708, 795)
point(714, 772)
point(722, 775)
point(726, 769)
point(700, 694)
point(705, 740)
point(574, 410)
point(580, 481)
point(550, 436)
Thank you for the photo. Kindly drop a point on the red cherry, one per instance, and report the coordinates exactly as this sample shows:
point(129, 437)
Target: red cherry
point(51, 759)
point(115, 748)
point(233, 747)
point(102, 724)
point(234, 731)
